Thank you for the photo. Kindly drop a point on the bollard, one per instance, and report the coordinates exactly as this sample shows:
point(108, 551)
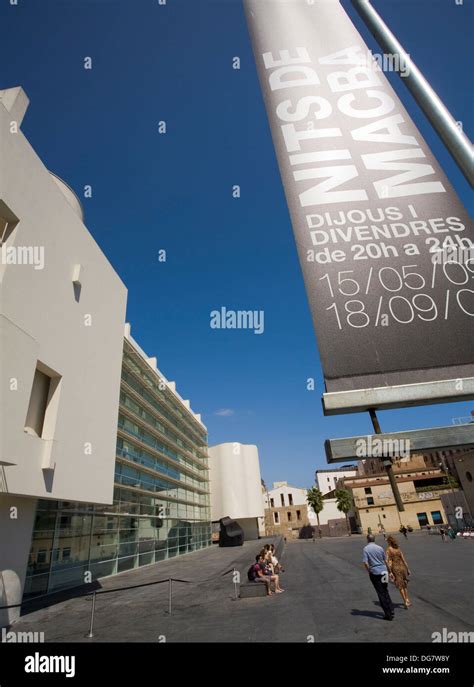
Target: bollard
point(236, 593)
point(170, 588)
point(91, 626)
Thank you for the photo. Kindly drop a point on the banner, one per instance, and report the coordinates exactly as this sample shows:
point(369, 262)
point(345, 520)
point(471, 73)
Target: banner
point(385, 245)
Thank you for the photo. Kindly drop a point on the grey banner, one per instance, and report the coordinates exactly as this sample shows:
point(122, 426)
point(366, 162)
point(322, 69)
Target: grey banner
point(386, 246)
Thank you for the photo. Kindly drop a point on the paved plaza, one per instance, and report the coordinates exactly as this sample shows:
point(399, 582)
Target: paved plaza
point(328, 598)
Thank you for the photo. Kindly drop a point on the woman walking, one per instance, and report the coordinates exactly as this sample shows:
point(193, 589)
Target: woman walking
point(398, 569)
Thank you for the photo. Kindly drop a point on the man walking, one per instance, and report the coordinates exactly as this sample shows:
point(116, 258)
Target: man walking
point(374, 562)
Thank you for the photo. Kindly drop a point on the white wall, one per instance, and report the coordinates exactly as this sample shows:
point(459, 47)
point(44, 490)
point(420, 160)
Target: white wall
point(16, 526)
point(284, 489)
point(41, 320)
point(329, 512)
point(298, 494)
point(234, 471)
point(250, 528)
point(327, 479)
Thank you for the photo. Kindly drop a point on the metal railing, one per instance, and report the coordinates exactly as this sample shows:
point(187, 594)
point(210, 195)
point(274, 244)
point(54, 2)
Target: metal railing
point(236, 581)
point(94, 594)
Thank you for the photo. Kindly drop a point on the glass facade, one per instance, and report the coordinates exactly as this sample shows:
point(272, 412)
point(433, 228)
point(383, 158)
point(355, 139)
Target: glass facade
point(161, 495)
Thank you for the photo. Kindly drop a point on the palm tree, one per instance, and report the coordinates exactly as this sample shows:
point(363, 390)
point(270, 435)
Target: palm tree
point(315, 499)
point(344, 504)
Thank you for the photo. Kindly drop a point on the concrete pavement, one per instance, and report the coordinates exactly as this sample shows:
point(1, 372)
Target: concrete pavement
point(328, 598)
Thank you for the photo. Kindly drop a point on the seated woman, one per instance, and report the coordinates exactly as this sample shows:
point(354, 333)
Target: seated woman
point(276, 565)
point(269, 570)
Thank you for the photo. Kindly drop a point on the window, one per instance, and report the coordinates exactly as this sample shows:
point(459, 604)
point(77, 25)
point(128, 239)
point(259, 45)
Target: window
point(276, 518)
point(282, 499)
point(384, 516)
point(298, 515)
point(290, 499)
point(422, 519)
point(368, 490)
point(436, 516)
point(8, 222)
point(38, 404)
point(289, 516)
point(42, 556)
point(5, 230)
point(329, 479)
point(42, 408)
point(77, 282)
point(370, 500)
point(272, 503)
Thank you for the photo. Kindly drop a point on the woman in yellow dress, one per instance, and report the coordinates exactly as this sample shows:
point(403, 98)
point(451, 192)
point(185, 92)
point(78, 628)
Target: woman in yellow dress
point(398, 568)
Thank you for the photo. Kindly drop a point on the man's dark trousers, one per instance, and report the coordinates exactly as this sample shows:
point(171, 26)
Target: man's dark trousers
point(381, 588)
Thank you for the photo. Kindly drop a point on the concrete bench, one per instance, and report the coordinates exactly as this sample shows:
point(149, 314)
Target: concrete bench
point(250, 590)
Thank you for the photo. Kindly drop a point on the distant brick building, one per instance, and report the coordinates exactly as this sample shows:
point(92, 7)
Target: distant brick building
point(420, 490)
point(288, 514)
point(286, 510)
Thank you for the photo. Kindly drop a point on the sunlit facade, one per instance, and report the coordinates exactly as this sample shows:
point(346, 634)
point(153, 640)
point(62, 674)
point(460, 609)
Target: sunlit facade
point(62, 317)
point(161, 493)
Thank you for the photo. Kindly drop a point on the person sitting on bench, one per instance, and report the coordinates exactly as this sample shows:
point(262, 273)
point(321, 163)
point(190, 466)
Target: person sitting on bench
point(259, 572)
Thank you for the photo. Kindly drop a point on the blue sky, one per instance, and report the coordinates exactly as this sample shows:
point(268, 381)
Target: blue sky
point(174, 192)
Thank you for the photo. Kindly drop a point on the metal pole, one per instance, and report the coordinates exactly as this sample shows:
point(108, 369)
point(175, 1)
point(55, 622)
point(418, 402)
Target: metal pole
point(460, 460)
point(235, 584)
point(170, 589)
point(268, 507)
point(443, 122)
point(448, 475)
point(448, 478)
point(91, 626)
point(387, 463)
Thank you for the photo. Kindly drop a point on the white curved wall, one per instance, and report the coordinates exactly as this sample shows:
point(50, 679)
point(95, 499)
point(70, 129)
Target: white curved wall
point(75, 336)
point(70, 196)
point(235, 481)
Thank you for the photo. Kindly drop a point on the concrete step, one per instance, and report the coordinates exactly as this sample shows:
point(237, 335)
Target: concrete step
point(250, 590)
